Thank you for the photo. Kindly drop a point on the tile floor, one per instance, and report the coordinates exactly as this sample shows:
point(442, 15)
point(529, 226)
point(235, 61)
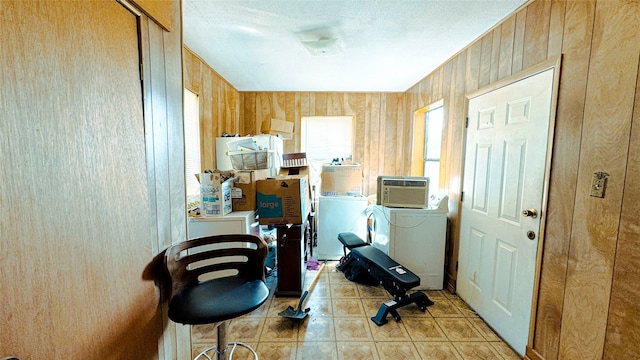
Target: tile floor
point(339, 327)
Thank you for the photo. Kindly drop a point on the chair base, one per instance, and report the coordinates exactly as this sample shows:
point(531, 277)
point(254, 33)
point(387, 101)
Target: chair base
point(231, 347)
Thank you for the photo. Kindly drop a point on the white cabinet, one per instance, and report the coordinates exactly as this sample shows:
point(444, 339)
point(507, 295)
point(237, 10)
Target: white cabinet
point(338, 214)
point(415, 238)
point(237, 222)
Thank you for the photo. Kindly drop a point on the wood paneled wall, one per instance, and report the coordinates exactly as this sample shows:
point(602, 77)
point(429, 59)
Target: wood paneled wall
point(220, 105)
point(588, 298)
point(380, 131)
point(90, 190)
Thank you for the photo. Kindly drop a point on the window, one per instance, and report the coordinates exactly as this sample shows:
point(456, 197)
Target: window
point(325, 138)
point(191, 142)
point(432, 147)
point(427, 143)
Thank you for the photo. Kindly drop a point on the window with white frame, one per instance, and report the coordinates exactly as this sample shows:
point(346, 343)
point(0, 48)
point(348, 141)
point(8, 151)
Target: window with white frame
point(325, 138)
point(433, 119)
point(191, 142)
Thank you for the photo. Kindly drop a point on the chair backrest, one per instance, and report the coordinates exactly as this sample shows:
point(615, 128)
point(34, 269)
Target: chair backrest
point(191, 262)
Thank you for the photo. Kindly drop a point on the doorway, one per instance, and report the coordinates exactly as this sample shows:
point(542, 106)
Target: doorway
point(507, 159)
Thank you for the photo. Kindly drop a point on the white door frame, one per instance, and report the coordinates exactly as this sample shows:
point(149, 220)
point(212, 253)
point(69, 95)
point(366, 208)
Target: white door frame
point(555, 64)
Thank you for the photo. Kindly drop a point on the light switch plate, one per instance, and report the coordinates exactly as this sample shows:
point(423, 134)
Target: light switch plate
point(598, 184)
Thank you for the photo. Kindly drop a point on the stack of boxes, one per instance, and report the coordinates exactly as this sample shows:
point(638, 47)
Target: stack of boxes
point(285, 202)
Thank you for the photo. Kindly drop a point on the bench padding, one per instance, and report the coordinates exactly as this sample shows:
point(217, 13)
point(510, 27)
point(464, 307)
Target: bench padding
point(395, 278)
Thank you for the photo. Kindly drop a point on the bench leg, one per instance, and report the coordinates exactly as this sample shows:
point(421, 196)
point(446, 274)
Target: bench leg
point(419, 298)
point(386, 308)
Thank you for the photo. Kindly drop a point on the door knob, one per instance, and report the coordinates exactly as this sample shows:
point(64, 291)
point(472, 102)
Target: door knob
point(530, 213)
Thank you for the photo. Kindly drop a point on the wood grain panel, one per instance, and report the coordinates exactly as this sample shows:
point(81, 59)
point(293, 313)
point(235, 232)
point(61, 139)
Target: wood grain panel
point(360, 131)
point(473, 66)
point(518, 41)
point(74, 185)
point(187, 74)
point(556, 28)
point(424, 94)
point(320, 103)
point(372, 118)
point(390, 156)
point(562, 187)
point(208, 122)
point(455, 165)
point(507, 34)
point(249, 124)
point(536, 35)
point(610, 95)
point(484, 75)
point(623, 328)
point(495, 54)
point(278, 110)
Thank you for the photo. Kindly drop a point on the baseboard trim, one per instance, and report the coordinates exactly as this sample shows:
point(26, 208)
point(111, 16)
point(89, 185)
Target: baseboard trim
point(531, 354)
point(450, 283)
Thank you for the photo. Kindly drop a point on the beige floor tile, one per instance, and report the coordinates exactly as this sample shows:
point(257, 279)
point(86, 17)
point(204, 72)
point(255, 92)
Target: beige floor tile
point(317, 351)
point(347, 307)
point(397, 351)
point(204, 333)
point(352, 329)
point(320, 290)
point(344, 291)
point(413, 310)
point(316, 328)
point(459, 329)
point(423, 329)
point(246, 329)
point(277, 350)
point(338, 326)
point(319, 306)
point(367, 291)
point(505, 350)
point(357, 351)
point(279, 304)
point(337, 277)
point(436, 294)
point(484, 329)
point(444, 308)
point(476, 351)
point(279, 329)
point(239, 353)
point(391, 331)
point(372, 305)
point(438, 350)
point(463, 307)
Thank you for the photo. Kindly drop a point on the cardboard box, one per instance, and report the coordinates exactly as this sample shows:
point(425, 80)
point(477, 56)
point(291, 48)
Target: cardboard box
point(280, 128)
point(215, 194)
point(243, 194)
point(341, 180)
point(284, 200)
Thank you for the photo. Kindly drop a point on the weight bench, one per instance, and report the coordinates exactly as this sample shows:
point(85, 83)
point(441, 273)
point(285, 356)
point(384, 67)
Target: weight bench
point(395, 278)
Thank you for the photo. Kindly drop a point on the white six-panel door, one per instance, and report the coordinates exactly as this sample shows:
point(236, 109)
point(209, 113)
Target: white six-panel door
point(504, 174)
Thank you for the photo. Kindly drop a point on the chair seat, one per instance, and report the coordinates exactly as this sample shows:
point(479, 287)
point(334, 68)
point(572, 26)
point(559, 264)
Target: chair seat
point(217, 300)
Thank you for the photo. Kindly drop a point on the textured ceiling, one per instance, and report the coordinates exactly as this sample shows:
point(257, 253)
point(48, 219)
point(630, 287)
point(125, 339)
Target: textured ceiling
point(375, 45)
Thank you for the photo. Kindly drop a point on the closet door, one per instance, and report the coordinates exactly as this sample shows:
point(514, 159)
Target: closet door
point(74, 204)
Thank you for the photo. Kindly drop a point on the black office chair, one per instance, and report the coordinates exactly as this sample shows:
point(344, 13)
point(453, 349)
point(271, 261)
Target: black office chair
point(215, 279)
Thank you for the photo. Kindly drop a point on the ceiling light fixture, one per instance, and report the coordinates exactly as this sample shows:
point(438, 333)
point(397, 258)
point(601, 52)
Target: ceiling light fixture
point(323, 46)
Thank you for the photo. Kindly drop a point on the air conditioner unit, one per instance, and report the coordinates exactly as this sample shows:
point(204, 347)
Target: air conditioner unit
point(403, 191)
